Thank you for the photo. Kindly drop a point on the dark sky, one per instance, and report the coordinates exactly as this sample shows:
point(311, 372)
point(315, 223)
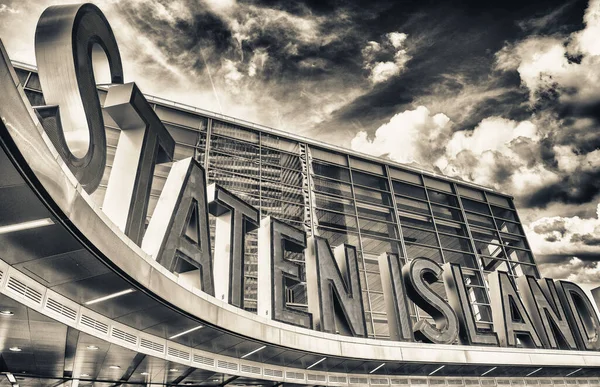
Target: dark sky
point(504, 94)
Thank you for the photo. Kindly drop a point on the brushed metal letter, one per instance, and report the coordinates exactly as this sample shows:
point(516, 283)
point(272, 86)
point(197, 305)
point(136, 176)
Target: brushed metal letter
point(581, 315)
point(65, 37)
point(456, 290)
point(418, 274)
point(274, 269)
point(542, 302)
point(511, 320)
point(394, 295)
point(334, 292)
point(144, 142)
point(178, 234)
point(234, 219)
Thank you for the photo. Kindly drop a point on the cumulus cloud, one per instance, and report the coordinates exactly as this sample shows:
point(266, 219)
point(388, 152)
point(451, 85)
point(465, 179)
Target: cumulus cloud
point(387, 59)
point(565, 235)
point(574, 270)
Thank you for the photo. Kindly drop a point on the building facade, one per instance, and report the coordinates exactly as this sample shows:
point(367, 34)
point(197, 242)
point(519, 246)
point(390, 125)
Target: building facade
point(82, 302)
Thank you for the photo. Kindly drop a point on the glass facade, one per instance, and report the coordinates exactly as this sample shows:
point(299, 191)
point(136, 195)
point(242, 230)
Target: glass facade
point(375, 205)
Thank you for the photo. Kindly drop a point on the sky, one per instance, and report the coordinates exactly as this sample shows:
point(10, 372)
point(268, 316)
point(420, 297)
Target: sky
point(504, 94)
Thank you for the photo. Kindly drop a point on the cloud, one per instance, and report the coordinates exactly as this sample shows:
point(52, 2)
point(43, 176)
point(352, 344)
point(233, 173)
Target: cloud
point(6, 9)
point(574, 270)
point(387, 59)
point(410, 136)
point(565, 235)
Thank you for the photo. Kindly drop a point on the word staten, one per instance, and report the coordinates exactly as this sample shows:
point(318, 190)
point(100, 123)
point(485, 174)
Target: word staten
point(543, 314)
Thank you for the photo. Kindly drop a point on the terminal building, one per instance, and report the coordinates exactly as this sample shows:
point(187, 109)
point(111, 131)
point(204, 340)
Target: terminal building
point(81, 305)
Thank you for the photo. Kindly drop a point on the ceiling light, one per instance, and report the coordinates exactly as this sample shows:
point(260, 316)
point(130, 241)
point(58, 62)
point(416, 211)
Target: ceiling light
point(117, 294)
point(145, 373)
point(173, 370)
point(533, 372)
point(315, 363)
point(253, 352)
point(15, 349)
point(6, 313)
point(26, 225)
point(488, 371)
point(11, 378)
point(185, 332)
point(85, 375)
point(436, 370)
point(577, 370)
point(92, 347)
point(114, 367)
point(378, 367)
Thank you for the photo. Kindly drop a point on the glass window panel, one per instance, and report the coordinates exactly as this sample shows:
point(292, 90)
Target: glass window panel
point(282, 210)
point(490, 264)
point(234, 148)
point(329, 156)
point(382, 329)
point(473, 206)
point(336, 220)
point(437, 184)
point(480, 220)
point(378, 228)
point(489, 249)
point(465, 260)
point(409, 190)
point(519, 255)
point(442, 198)
point(183, 152)
point(365, 165)
point(370, 181)
point(331, 171)
point(34, 82)
point(514, 241)
point(470, 193)
point(280, 175)
point(406, 176)
point(412, 205)
point(504, 213)
point(233, 131)
point(416, 251)
point(485, 235)
point(35, 98)
point(455, 243)
point(333, 203)
point(377, 245)
point(230, 164)
point(179, 117)
point(499, 200)
point(374, 212)
point(279, 143)
point(336, 237)
point(372, 196)
point(506, 226)
point(472, 278)
point(407, 219)
point(419, 236)
point(22, 74)
point(521, 270)
point(451, 227)
point(374, 283)
point(280, 159)
point(446, 213)
point(332, 187)
point(482, 313)
point(377, 301)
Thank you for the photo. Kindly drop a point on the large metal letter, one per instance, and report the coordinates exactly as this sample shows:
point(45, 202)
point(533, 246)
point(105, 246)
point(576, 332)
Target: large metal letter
point(334, 293)
point(144, 141)
point(511, 320)
point(178, 236)
point(235, 218)
point(542, 303)
point(418, 274)
point(394, 295)
point(65, 37)
point(456, 290)
point(275, 238)
point(581, 315)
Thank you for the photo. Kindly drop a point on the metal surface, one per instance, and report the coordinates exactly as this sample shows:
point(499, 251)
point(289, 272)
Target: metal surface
point(65, 38)
point(395, 297)
point(418, 275)
point(144, 142)
point(234, 219)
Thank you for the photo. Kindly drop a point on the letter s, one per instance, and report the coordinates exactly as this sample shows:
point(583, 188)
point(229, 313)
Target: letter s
point(65, 37)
